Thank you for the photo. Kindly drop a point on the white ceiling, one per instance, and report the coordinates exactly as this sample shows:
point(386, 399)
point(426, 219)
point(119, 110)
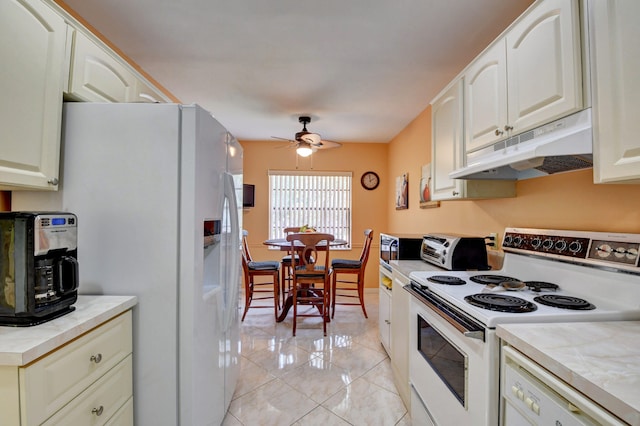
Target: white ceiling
point(363, 69)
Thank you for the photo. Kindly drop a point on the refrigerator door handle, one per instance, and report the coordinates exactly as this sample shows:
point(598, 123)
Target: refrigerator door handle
point(232, 287)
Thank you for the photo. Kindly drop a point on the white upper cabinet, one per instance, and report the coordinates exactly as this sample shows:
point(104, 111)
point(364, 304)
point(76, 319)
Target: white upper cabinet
point(447, 153)
point(544, 68)
point(32, 48)
point(530, 76)
point(97, 76)
point(615, 70)
point(486, 97)
point(145, 93)
point(446, 143)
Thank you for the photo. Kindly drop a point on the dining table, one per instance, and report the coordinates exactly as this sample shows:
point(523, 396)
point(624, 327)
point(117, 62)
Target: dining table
point(285, 245)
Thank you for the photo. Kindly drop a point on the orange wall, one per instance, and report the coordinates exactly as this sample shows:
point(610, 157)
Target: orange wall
point(564, 201)
point(369, 207)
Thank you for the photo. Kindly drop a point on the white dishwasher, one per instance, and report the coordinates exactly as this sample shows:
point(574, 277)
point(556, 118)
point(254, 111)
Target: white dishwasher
point(533, 396)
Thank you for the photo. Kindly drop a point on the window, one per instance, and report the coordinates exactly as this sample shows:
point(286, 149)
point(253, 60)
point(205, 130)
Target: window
point(321, 200)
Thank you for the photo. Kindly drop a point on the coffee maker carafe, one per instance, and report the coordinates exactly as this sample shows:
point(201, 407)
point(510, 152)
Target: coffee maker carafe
point(38, 266)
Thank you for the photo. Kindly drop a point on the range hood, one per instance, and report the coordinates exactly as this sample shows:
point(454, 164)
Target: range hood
point(560, 146)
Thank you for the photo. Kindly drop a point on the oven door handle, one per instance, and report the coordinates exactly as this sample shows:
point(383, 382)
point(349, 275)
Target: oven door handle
point(459, 321)
point(474, 334)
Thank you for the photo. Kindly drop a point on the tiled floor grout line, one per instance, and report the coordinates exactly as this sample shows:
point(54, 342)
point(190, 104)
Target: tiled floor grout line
point(273, 360)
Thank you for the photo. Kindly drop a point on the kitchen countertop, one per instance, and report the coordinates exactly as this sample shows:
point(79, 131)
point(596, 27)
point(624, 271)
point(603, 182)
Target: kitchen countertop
point(21, 345)
point(405, 267)
point(599, 359)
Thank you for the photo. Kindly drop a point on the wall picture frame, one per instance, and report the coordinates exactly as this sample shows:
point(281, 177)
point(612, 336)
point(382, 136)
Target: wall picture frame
point(402, 192)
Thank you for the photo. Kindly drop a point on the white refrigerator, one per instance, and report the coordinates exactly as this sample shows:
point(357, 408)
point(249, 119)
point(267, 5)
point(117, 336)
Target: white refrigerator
point(157, 189)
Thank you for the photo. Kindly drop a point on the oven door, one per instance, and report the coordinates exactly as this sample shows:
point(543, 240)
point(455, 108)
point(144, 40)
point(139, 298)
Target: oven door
point(453, 365)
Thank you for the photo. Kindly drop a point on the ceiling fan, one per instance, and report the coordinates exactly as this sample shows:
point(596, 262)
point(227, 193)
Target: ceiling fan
point(306, 142)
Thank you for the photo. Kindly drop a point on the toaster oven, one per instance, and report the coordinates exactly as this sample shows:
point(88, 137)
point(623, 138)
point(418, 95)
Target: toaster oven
point(455, 252)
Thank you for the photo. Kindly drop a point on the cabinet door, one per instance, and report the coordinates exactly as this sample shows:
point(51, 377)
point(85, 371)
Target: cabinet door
point(97, 76)
point(615, 57)
point(446, 155)
point(400, 305)
point(32, 48)
point(485, 98)
point(544, 71)
point(384, 318)
point(145, 93)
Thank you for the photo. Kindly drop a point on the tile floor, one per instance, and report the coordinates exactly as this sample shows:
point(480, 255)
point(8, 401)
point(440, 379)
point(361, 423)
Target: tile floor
point(341, 379)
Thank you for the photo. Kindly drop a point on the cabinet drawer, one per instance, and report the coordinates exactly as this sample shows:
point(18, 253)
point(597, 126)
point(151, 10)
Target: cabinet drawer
point(100, 401)
point(124, 416)
point(54, 380)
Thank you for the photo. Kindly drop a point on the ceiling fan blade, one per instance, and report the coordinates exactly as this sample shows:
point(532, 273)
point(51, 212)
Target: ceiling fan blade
point(283, 139)
point(327, 145)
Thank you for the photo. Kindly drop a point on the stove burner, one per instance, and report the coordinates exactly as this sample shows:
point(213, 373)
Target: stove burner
point(491, 279)
point(537, 286)
point(564, 302)
point(446, 279)
point(500, 303)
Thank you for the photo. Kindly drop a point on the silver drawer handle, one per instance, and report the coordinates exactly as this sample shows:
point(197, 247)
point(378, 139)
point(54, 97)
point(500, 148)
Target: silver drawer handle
point(96, 358)
point(98, 411)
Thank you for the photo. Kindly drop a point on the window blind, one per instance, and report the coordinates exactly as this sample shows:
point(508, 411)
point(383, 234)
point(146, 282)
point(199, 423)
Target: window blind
point(321, 200)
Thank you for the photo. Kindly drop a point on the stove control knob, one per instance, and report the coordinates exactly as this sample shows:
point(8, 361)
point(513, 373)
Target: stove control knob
point(575, 247)
point(547, 244)
point(508, 239)
point(604, 250)
point(620, 252)
point(561, 245)
point(517, 241)
point(536, 242)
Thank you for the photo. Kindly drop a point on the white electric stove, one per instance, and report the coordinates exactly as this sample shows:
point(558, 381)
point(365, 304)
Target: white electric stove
point(454, 356)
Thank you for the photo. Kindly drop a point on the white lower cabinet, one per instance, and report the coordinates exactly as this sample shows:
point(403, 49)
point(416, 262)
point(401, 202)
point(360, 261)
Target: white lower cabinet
point(124, 416)
point(384, 309)
point(400, 304)
point(100, 401)
point(85, 382)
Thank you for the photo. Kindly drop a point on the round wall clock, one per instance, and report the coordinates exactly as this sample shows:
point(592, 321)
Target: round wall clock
point(370, 180)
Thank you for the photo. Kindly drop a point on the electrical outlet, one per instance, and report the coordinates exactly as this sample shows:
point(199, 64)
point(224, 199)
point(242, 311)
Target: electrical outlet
point(493, 236)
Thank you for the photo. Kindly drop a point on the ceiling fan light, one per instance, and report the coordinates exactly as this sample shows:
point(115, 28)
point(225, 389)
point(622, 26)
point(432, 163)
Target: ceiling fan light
point(304, 150)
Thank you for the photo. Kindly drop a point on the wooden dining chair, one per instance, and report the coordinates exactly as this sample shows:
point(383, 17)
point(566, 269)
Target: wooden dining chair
point(311, 284)
point(348, 289)
point(259, 290)
point(285, 264)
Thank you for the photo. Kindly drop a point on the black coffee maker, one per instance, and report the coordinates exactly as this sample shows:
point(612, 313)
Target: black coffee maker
point(38, 266)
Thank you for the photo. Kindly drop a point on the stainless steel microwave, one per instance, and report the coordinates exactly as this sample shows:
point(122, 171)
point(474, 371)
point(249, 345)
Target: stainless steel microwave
point(399, 247)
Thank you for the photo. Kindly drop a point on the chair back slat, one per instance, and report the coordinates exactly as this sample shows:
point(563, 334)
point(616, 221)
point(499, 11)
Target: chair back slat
point(309, 244)
point(367, 246)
